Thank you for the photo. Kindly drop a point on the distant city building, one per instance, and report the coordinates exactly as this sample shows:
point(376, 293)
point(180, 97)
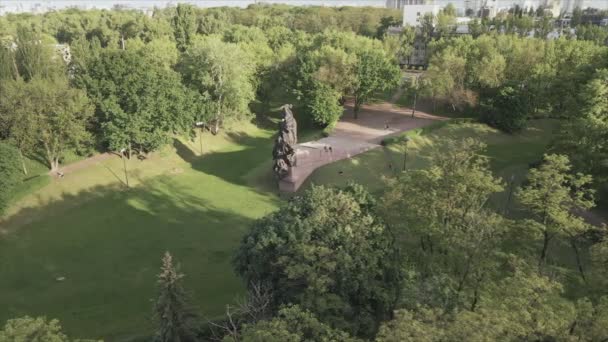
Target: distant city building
point(468, 7)
point(412, 14)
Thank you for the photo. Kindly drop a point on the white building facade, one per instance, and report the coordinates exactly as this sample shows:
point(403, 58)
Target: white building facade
point(412, 14)
point(556, 6)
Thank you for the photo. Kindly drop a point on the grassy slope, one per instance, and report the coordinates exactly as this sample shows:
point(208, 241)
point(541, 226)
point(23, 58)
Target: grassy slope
point(509, 154)
point(107, 241)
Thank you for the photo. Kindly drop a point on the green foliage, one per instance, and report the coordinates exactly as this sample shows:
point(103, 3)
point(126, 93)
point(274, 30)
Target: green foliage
point(292, 324)
point(324, 105)
point(585, 139)
point(507, 111)
point(522, 306)
point(374, 72)
point(55, 118)
point(139, 102)
point(223, 73)
point(28, 329)
point(549, 74)
point(10, 174)
point(35, 56)
point(171, 311)
point(184, 25)
point(551, 196)
point(443, 208)
point(328, 252)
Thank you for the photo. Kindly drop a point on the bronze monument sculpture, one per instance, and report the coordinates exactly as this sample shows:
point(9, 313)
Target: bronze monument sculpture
point(283, 153)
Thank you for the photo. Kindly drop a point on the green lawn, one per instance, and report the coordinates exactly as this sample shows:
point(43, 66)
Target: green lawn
point(107, 241)
point(509, 154)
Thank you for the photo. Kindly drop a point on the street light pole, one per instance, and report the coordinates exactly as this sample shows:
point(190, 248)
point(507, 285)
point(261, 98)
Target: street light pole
point(200, 125)
point(415, 96)
point(124, 165)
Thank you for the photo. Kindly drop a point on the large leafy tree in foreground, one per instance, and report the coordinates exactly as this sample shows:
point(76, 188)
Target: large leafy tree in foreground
point(328, 252)
point(139, 102)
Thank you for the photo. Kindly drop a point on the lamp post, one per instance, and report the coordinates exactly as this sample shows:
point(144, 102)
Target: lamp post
point(415, 94)
point(200, 125)
point(124, 165)
point(405, 140)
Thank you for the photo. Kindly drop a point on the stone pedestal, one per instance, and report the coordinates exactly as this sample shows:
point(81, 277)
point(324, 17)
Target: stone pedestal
point(312, 155)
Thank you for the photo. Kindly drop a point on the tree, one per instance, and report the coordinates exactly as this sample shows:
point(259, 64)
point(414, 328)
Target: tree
point(184, 25)
point(324, 105)
point(10, 173)
point(328, 252)
point(446, 22)
point(35, 56)
point(585, 139)
point(8, 62)
point(292, 324)
point(17, 118)
point(552, 196)
point(223, 72)
point(55, 117)
point(507, 110)
point(385, 24)
point(139, 101)
point(172, 313)
point(594, 33)
point(374, 72)
point(62, 119)
point(442, 211)
point(521, 306)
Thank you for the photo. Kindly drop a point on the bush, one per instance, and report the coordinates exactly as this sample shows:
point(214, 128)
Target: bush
point(506, 110)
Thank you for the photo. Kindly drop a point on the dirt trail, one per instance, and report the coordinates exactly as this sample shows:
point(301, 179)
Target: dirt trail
point(79, 165)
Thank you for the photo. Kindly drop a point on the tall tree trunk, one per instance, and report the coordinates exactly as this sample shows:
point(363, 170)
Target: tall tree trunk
point(55, 164)
point(578, 258)
point(543, 254)
point(22, 162)
point(356, 108)
point(50, 156)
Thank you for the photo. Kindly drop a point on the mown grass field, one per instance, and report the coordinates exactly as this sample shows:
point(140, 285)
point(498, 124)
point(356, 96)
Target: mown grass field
point(106, 240)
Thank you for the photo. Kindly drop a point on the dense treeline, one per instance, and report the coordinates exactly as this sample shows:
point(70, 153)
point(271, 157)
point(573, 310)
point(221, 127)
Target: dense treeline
point(126, 82)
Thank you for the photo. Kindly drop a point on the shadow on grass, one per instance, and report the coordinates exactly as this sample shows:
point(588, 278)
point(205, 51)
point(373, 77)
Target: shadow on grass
point(230, 165)
point(106, 243)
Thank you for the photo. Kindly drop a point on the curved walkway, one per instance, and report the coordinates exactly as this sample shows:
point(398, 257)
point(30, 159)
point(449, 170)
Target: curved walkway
point(354, 136)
